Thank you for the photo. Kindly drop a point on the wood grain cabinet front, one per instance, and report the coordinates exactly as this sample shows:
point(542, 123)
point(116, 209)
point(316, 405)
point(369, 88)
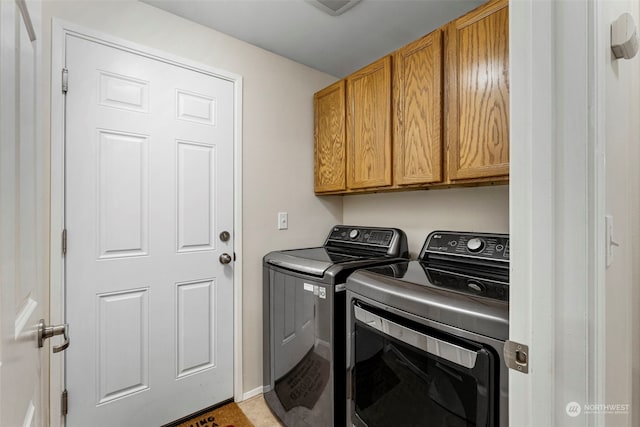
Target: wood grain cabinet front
point(477, 107)
point(369, 126)
point(433, 114)
point(329, 139)
point(417, 119)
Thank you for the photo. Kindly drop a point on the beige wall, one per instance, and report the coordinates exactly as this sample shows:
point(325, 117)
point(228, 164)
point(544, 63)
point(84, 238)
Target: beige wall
point(484, 209)
point(277, 136)
point(278, 152)
point(277, 176)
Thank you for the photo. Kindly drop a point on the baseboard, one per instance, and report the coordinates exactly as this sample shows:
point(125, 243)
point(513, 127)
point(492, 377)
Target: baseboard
point(252, 393)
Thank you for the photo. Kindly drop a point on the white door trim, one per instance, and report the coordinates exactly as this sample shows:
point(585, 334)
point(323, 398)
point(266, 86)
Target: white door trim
point(60, 29)
point(599, 37)
point(557, 196)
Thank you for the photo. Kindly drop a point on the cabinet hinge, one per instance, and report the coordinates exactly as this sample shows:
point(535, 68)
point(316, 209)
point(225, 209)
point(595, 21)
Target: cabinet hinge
point(64, 241)
point(65, 80)
point(64, 403)
point(516, 356)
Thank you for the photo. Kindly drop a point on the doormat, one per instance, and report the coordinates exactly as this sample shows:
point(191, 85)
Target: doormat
point(303, 385)
point(229, 415)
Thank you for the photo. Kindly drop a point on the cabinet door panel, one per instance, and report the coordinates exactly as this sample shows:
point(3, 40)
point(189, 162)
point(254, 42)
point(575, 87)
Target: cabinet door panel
point(330, 146)
point(418, 113)
point(478, 83)
point(369, 126)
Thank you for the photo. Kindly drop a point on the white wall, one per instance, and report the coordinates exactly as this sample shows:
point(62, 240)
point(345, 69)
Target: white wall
point(483, 209)
point(622, 140)
point(277, 136)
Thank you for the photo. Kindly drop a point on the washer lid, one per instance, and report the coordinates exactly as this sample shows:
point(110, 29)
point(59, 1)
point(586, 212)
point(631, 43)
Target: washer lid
point(314, 261)
point(411, 291)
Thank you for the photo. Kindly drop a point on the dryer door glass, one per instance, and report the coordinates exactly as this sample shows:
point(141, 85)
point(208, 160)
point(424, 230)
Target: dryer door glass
point(396, 383)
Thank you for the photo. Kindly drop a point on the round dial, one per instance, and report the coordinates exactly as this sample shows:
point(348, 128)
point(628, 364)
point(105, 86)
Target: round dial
point(475, 245)
point(354, 233)
point(475, 286)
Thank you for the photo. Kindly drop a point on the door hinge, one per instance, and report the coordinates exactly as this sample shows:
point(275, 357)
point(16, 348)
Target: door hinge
point(65, 80)
point(516, 356)
point(64, 241)
point(64, 403)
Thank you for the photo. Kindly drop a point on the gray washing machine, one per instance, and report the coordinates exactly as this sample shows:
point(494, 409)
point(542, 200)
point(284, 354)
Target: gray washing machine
point(304, 321)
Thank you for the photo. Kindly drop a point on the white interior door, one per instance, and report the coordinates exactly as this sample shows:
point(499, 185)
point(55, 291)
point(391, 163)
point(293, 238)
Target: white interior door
point(23, 366)
point(149, 189)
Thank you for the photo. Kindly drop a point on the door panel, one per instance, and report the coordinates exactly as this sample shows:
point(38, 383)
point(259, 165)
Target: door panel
point(478, 93)
point(196, 337)
point(369, 126)
point(123, 194)
point(149, 155)
point(23, 238)
point(418, 111)
point(329, 138)
point(123, 344)
point(195, 196)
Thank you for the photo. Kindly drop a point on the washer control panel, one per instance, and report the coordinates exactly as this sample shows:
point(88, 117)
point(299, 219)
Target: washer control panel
point(471, 245)
point(362, 235)
point(368, 241)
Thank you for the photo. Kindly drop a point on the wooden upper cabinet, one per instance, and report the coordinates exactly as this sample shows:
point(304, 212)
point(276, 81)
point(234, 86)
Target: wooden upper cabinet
point(329, 137)
point(369, 126)
point(477, 63)
point(434, 114)
point(417, 93)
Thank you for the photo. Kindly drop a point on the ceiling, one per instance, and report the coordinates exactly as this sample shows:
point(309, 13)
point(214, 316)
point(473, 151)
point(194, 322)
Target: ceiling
point(337, 45)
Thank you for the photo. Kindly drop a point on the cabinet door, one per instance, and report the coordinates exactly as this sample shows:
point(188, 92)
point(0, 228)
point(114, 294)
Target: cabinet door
point(369, 126)
point(329, 135)
point(478, 93)
point(417, 85)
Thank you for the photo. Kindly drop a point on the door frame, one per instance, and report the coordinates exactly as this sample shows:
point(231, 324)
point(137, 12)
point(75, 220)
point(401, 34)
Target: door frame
point(60, 30)
point(557, 205)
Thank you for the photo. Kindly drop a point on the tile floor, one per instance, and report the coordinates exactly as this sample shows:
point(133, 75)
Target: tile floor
point(258, 412)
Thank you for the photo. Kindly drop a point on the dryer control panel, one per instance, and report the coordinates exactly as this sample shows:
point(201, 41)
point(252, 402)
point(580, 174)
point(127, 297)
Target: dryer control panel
point(468, 245)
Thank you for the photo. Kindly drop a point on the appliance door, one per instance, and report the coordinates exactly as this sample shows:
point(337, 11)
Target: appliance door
point(406, 374)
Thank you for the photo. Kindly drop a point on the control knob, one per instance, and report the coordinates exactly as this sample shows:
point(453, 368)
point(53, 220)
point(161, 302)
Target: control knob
point(475, 245)
point(476, 286)
point(354, 233)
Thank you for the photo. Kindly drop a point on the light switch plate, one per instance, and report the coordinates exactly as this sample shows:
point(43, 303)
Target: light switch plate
point(283, 220)
point(609, 241)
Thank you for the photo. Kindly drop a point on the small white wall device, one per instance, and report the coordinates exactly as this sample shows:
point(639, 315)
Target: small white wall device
point(624, 37)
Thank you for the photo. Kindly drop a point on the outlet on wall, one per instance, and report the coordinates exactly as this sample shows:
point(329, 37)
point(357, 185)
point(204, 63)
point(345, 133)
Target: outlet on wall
point(283, 220)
